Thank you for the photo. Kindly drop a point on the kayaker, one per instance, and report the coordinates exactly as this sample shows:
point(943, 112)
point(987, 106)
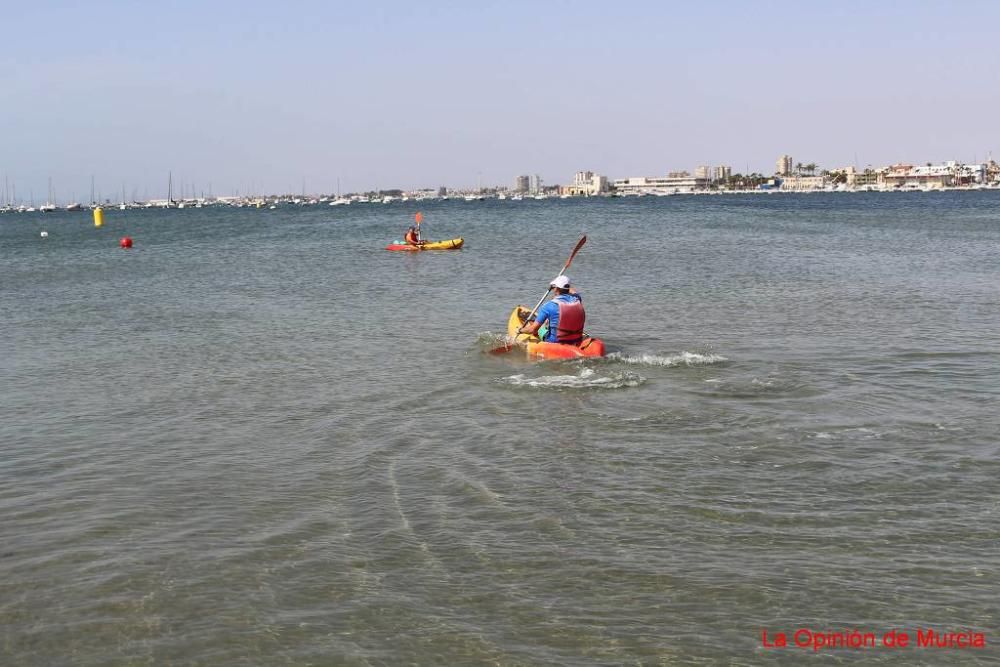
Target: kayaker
point(564, 314)
point(412, 236)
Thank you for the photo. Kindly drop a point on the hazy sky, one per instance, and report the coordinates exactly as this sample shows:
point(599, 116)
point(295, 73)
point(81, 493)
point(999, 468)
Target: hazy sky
point(265, 95)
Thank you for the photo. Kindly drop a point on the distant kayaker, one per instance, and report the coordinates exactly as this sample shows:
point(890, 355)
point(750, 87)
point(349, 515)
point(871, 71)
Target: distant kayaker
point(564, 313)
point(412, 236)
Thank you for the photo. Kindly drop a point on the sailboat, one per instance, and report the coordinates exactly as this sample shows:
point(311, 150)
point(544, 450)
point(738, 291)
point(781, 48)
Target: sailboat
point(170, 191)
point(48, 206)
point(340, 200)
point(75, 205)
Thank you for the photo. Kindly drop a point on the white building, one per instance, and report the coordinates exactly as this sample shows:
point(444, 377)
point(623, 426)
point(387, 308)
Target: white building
point(586, 184)
point(799, 183)
point(521, 184)
point(704, 171)
point(784, 165)
point(947, 174)
point(723, 173)
point(673, 183)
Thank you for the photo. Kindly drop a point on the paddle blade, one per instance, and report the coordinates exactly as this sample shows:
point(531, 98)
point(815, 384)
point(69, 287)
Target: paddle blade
point(496, 343)
point(579, 244)
point(419, 217)
point(503, 349)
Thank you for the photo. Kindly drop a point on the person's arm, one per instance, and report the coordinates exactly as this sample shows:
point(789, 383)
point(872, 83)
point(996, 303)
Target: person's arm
point(541, 317)
point(531, 328)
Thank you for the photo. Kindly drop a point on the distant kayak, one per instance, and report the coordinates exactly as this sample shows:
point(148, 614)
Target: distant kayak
point(535, 347)
point(450, 244)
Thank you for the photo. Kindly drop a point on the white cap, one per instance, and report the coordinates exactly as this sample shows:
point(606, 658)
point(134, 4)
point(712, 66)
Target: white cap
point(560, 282)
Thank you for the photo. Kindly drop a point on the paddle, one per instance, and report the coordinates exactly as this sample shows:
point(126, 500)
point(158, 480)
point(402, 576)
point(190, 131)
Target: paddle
point(507, 347)
point(579, 244)
point(419, 217)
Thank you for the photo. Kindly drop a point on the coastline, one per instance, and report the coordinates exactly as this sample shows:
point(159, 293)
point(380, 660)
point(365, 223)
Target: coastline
point(274, 201)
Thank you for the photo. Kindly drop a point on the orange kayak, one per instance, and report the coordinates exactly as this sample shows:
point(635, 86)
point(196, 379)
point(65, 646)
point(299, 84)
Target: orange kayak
point(536, 348)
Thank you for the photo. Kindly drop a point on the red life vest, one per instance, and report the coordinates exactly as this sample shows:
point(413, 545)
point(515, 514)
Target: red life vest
point(569, 329)
point(411, 236)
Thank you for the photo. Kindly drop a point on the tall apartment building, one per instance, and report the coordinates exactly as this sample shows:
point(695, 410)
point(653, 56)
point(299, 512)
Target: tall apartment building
point(534, 184)
point(521, 184)
point(784, 165)
point(722, 173)
point(703, 171)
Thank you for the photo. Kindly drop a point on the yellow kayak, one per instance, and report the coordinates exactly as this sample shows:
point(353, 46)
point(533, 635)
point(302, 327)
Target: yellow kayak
point(450, 244)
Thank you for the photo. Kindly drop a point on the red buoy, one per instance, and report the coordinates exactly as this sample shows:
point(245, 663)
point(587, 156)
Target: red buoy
point(125, 242)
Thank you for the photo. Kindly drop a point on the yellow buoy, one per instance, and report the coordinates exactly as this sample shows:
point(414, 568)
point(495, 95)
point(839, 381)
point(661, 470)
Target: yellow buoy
point(98, 216)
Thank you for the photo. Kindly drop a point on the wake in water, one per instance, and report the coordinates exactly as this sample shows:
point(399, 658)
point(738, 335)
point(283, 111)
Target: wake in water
point(489, 341)
point(587, 378)
point(681, 359)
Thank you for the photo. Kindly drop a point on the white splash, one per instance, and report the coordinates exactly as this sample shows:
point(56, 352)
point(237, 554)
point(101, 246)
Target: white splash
point(586, 378)
point(682, 359)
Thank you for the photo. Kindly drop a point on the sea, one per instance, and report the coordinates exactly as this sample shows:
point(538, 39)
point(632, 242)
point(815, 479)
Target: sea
point(258, 438)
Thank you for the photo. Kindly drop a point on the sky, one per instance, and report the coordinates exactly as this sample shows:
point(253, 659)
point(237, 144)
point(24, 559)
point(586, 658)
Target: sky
point(270, 97)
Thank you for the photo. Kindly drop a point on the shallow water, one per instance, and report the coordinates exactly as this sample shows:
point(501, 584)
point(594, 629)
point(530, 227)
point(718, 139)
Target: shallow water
point(258, 438)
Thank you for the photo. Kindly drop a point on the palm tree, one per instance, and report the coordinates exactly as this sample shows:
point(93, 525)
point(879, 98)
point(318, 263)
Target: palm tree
point(798, 167)
point(811, 168)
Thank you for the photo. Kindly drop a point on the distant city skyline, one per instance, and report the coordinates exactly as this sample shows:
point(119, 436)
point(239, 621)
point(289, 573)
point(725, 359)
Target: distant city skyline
point(252, 97)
